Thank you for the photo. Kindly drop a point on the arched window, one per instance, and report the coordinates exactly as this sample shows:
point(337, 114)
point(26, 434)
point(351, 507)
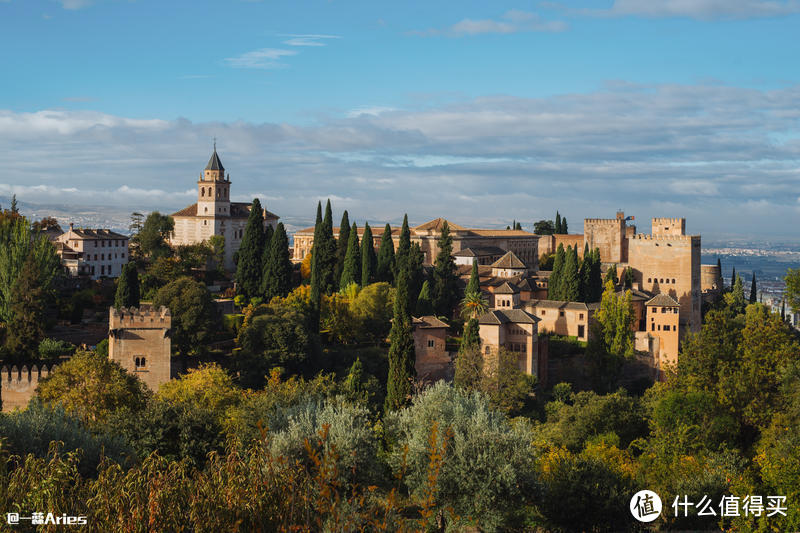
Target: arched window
point(202, 191)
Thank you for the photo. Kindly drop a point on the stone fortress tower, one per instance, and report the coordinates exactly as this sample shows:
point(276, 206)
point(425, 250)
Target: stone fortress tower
point(139, 340)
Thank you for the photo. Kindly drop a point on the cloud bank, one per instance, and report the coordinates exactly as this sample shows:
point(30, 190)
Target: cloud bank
point(724, 157)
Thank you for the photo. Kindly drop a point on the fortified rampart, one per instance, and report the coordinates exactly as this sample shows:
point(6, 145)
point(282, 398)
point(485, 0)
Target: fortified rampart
point(710, 276)
point(669, 226)
point(609, 235)
point(139, 340)
point(18, 385)
point(669, 264)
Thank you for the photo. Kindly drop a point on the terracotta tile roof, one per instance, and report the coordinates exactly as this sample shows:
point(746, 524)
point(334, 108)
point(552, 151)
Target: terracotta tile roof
point(479, 251)
point(663, 300)
point(560, 304)
point(238, 210)
point(510, 260)
point(506, 288)
point(190, 211)
point(436, 225)
point(503, 233)
point(515, 316)
point(428, 322)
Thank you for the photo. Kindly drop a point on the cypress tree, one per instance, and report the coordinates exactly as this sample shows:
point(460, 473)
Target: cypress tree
point(369, 262)
point(352, 261)
point(385, 267)
point(720, 281)
point(554, 283)
point(424, 305)
point(753, 291)
point(733, 277)
point(416, 274)
point(445, 284)
point(268, 233)
point(595, 277)
point(328, 253)
point(401, 348)
point(341, 245)
point(564, 227)
point(629, 278)
point(278, 268)
point(583, 278)
point(611, 275)
point(249, 269)
point(471, 337)
point(738, 295)
point(403, 248)
point(316, 272)
point(558, 223)
point(474, 284)
point(127, 287)
point(570, 282)
point(518, 226)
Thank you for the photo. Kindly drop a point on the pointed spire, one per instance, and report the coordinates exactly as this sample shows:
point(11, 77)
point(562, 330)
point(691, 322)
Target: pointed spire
point(214, 163)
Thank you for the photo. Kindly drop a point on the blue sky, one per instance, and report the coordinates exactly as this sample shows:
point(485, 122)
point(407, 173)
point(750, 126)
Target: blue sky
point(478, 111)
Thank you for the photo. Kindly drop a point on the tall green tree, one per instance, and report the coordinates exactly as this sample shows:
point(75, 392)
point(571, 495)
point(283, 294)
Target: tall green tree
point(193, 314)
point(733, 277)
point(720, 280)
point(445, 281)
point(385, 265)
point(611, 275)
point(277, 277)
point(402, 356)
point(474, 284)
point(735, 298)
point(595, 288)
point(26, 329)
point(249, 268)
point(753, 290)
point(316, 271)
point(341, 245)
point(558, 223)
point(570, 282)
point(403, 248)
point(792, 280)
point(151, 241)
point(128, 291)
point(369, 262)
point(351, 272)
point(424, 304)
point(554, 284)
point(327, 253)
point(564, 226)
point(17, 243)
point(544, 227)
point(416, 274)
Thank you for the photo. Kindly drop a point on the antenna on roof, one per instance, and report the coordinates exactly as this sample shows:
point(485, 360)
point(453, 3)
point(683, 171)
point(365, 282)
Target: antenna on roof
point(215, 144)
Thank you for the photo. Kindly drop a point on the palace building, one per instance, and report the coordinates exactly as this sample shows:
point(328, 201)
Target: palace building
point(214, 213)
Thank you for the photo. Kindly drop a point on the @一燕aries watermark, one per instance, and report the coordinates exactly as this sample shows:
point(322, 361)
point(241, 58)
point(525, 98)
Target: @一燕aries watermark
point(42, 519)
point(646, 506)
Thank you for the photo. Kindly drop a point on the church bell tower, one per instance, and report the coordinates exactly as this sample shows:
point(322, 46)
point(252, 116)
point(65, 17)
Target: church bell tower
point(213, 189)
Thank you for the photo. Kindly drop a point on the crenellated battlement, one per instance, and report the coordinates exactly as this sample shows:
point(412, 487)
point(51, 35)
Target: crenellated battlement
point(603, 221)
point(18, 384)
point(664, 238)
point(668, 221)
point(139, 317)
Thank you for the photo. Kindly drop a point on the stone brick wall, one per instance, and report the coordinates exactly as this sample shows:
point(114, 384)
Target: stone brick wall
point(18, 385)
point(138, 339)
point(608, 235)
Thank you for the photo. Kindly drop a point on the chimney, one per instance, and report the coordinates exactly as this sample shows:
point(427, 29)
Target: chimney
point(71, 225)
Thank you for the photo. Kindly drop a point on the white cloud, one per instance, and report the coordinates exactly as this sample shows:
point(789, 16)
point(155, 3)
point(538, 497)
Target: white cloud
point(308, 39)
point(264, 58)
point(707, 151)
point(695, 9)
point(513, 21)
point(75, 4)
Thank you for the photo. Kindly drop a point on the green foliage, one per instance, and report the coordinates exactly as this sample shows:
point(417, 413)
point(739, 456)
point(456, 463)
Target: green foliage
point(544, 227)
point(369, 262)
point(401, 347)
point(574, 419)
point(27, 307)
point(341, 245)
point(278, 336)
point(249, 267)
point(488, 466)
point(403, 249)
point(424, 304)
point(554, 285)
point(474, 283)
point(792, 293)
point(102, 348)
point(127, 287)
point(445, 280)
point(372, 308)
point(469, 363)
point(569, 280)
point(18, 243)
point(611, 275)
point(193, 314)
point(53, 349)
point(546, 261)
point(558, 228)
point(91, 388)
point(735, 298)
point(31, 430)
point(217, 245)
point(351, 271)
point(151, 241)
point(384, 270)
point(506, 386)
point(277, 275)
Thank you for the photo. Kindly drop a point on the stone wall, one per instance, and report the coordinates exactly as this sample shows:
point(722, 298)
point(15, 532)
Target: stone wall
point(18, 385)
point(139, 340)
point(608, 235)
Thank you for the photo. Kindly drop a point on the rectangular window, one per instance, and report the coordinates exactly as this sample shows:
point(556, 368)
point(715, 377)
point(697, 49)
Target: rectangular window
point(581, 331)
point(561, 313)
point(431, 343)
